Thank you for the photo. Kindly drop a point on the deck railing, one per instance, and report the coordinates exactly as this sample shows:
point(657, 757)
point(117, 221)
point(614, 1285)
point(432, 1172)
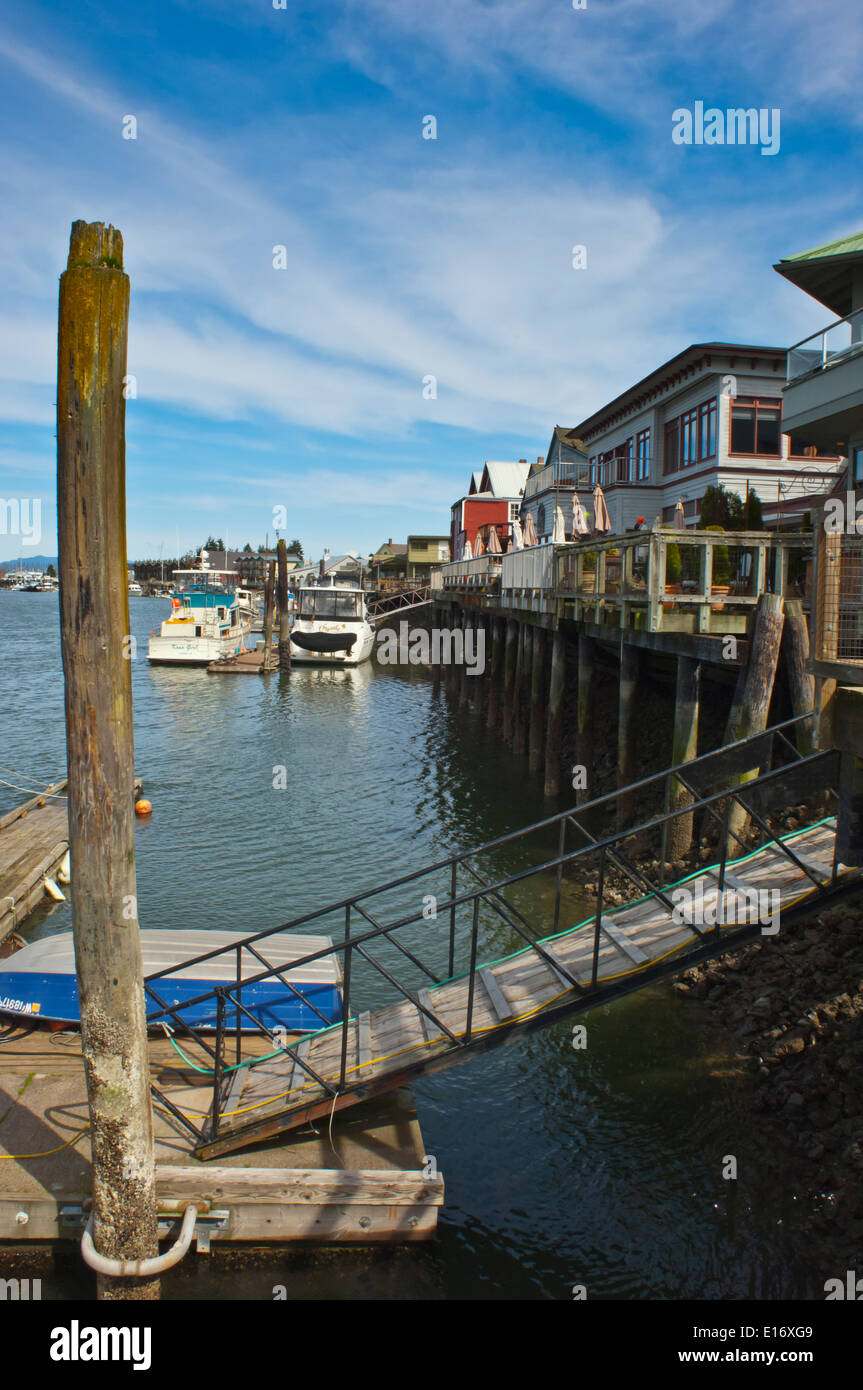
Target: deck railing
point(660, 580)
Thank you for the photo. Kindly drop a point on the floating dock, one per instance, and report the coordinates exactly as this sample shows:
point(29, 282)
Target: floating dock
point(360, 1180)
point(34, 839)
point(246, 664)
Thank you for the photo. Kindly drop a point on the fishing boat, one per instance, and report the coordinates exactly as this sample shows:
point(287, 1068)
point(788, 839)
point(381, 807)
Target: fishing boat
point(332, 626)
point(205, 624)
point(135, 589)
point(38, 982)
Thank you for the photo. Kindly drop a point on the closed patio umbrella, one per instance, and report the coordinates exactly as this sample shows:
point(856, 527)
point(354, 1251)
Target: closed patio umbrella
point(529, 531)
point(479, 548)
point(494, 545)
point(517, 537)
point(601, 519)
point(580, 523)
point(559, 534)
point(679, 522)
point(468, 551)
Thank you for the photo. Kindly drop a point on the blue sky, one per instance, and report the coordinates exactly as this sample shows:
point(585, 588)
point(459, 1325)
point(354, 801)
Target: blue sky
point(302, 127)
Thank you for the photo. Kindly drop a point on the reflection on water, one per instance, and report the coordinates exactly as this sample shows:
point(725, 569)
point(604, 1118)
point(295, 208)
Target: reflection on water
point(272, 796)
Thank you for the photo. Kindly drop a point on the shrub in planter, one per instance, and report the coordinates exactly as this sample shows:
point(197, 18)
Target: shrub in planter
point(672, 564)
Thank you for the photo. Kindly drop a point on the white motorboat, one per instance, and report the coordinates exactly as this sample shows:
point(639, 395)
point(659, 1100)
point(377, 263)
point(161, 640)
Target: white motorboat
point(331, 626)
point(135, 589)
point(205, 624)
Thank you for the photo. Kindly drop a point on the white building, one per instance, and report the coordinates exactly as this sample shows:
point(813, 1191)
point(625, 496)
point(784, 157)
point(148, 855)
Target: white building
point(710, 416)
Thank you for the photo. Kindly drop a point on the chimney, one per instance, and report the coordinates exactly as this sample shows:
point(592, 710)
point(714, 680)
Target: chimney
point(390, 541)
point(540, 459)
point(522, 460)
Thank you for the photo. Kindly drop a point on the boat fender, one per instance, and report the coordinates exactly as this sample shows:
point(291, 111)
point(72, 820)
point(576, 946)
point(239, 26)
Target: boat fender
point(143, 807)
point(63, 874)
point(53, 891)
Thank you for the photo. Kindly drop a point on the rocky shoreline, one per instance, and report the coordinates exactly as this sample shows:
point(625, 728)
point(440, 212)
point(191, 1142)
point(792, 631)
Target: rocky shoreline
point(794, 1005)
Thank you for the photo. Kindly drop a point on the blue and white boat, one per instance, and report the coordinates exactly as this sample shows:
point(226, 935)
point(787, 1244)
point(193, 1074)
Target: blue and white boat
point(206, 622)
point(38, 982)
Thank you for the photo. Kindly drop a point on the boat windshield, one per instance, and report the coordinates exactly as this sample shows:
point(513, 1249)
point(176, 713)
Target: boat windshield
point(323, 603)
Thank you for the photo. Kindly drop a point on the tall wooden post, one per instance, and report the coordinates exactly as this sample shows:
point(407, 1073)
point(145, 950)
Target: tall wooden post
point(495, 673)
point(524, 666)
point(537, 700)
point(284, 617)
point(584, 717)
point(95, 643)
point(684, 748)
point(269, 599)
point(801, 685)
point(630, 666)
point(751, 705)
point(510, 664)
point(554, 729)
point(468, 626)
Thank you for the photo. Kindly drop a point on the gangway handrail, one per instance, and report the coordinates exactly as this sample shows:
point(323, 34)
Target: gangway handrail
point(455, 859)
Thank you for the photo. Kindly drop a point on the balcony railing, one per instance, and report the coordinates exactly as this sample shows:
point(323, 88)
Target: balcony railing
point(568, 475)
point(837, 342)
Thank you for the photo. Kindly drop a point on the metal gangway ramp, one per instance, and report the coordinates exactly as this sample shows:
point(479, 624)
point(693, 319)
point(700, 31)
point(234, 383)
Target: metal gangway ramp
point(469, 957)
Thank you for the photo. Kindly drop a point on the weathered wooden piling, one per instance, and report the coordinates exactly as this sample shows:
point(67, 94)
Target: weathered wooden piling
point(495, 660)
point(510, 672)
point(468, 620)
point(269, 601)
point(96, 647)
point(554, 726)
point(284, 616)
point(538, 712)
point(801, 685)
point(630, 669)
point(751, 704)
point(584, 711)
point(684, 747)
point(521, 713)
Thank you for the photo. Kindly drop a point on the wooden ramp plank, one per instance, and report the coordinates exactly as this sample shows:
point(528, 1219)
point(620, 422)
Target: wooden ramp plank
point(499, 1003)
point(364, 1040)
point(620, 939)
point(430, 1032)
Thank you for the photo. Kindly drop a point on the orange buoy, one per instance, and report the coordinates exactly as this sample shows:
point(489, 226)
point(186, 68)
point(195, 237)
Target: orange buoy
point(143, 807)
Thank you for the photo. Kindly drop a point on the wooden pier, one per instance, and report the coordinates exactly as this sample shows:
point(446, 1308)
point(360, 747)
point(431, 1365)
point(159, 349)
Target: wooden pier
point(34, 839)
point(366, 1182)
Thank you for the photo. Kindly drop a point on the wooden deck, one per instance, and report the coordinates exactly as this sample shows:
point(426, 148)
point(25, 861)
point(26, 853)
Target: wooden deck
point(363, 1181)
point(33, 841)
point(518, 991)
point(246, 664)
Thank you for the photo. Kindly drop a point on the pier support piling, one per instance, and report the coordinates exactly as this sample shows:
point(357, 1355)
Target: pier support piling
point(684, 747)
point(495, 674)
point(801, 685)
point(521, 713)
point(96, 649)
point(554, 726)
point(537, 700)
point(584, 713)
point(269, 601)
point(751, 705)
point(510, 671)
point(630, 669)
point(284, 617)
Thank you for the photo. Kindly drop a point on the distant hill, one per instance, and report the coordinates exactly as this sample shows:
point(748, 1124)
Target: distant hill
point(30, 562)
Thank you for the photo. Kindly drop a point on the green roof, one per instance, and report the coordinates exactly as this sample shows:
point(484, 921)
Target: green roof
point(826, 272)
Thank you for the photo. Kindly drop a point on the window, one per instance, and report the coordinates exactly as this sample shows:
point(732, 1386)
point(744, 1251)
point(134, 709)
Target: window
point(333, 606)
point(623, 464)
point(592, 475)
point(642, 454)
point(540, 519)
point(707, 430)
point(857, 477)
point(690, 438)
point(755, 426)
point(671, 458)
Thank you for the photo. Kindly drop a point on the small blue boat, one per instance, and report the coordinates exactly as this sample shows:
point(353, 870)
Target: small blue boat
point(38, 982)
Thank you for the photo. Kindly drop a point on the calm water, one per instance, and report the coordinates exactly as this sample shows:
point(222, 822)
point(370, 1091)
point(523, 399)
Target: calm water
point(599, 1167)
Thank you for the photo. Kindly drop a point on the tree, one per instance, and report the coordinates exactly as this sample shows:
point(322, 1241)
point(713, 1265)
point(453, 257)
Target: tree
point(753, 517)
point(722, 509)
point(51, 572)
point(295, 548)
point(211, 544)
point(247, 549)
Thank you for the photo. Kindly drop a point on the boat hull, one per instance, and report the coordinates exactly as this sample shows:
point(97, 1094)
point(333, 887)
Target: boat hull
point(38, 983)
